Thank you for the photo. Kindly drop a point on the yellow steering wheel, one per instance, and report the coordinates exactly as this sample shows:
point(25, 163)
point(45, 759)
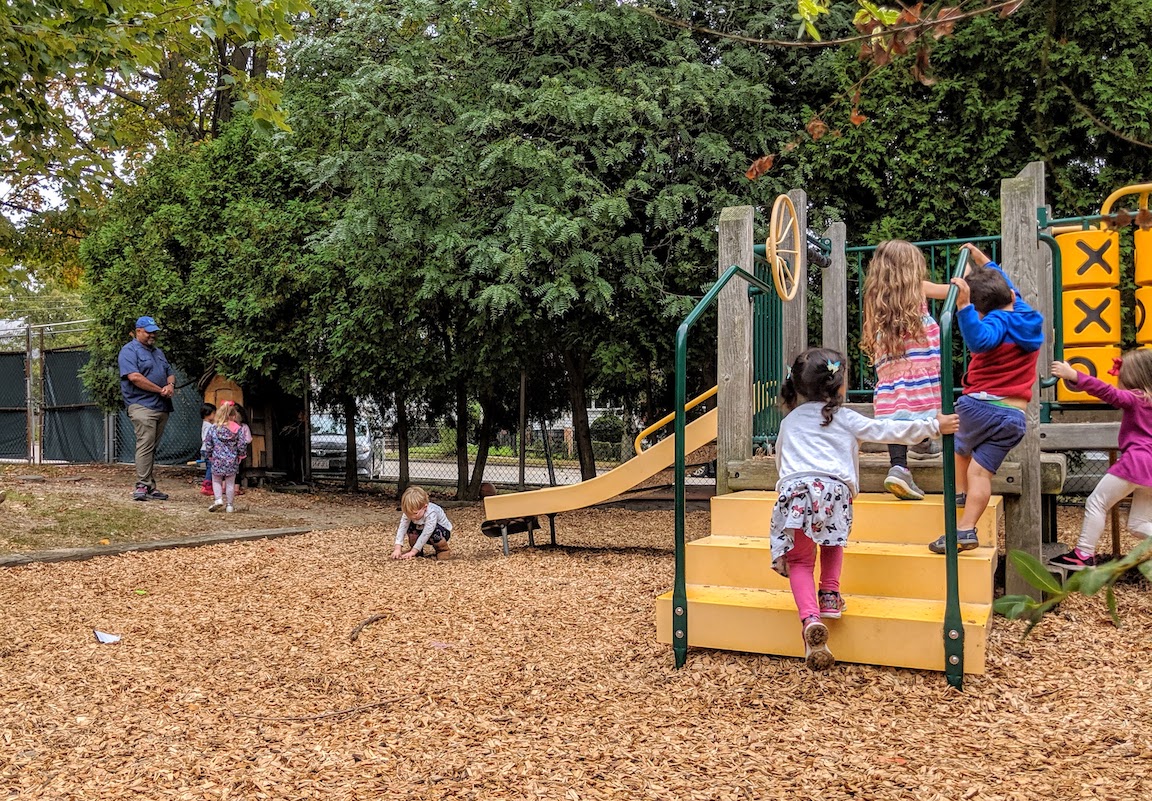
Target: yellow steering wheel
point(782, 225)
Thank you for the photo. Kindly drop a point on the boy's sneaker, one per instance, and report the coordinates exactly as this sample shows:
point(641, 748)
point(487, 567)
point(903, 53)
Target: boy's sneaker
point(140, 493)
point(831, 604)
point(966, 540)
point(206, 488)
point(216, 506)
point(816, 653)
point(899, 482)
point(156, 495)
point(1072, 561)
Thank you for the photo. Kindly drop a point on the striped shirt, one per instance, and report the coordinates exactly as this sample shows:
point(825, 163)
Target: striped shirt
point(908, 386)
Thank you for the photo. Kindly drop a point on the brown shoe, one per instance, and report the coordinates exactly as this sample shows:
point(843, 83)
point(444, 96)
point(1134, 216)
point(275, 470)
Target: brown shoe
point(443, 553)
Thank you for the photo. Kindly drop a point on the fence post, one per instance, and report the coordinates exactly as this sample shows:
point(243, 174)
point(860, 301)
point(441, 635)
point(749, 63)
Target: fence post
point(523, 425)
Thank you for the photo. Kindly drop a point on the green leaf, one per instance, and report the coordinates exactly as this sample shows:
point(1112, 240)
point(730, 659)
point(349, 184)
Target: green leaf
point(1145, 569)
point(1110, 599)
point(1014, 606)
point(1094, 578)
point(1034, 572)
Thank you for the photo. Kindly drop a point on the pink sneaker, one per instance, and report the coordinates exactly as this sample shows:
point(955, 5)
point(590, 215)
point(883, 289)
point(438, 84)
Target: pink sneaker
point(831, 604)
point(816, 653)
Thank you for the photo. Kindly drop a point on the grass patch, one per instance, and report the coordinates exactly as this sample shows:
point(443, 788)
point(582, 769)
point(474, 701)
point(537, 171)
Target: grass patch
point(54, 521)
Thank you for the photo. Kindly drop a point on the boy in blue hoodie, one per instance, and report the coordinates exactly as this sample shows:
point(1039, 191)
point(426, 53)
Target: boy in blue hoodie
point(1003, 334)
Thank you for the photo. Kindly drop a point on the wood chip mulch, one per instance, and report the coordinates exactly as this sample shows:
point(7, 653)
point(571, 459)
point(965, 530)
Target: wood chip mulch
point(530, 677)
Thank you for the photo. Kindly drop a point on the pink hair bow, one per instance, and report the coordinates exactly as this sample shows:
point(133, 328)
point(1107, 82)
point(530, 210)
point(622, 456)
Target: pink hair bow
point(1116, 364)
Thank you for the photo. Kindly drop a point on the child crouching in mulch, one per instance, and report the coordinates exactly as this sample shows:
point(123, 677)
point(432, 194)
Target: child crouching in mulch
point(421, 522)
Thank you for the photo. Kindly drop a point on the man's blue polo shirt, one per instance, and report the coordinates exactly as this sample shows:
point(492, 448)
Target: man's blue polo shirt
point(150, 363)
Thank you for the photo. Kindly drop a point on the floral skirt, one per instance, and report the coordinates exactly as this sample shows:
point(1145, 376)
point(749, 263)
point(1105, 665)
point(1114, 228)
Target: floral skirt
point(819, 506)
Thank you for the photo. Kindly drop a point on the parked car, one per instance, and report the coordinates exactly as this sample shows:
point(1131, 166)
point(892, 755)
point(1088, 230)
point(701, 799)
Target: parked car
point(330, 448)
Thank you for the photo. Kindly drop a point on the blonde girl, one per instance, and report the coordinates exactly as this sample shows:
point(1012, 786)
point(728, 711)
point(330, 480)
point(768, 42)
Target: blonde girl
point(225, 447)
point(903, 343)
point(1132, 473)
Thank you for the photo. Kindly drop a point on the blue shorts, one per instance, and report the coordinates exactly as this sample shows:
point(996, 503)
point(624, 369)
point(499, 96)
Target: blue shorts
point(987, 431)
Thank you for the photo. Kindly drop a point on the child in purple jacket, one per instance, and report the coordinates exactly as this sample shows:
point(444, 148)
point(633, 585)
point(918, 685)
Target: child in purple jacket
point(1132, 473)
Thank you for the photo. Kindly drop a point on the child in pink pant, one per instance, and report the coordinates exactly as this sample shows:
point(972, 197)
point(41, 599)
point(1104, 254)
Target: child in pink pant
point(817, 453)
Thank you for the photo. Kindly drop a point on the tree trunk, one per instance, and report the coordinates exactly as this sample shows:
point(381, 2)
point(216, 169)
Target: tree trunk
point(486, 432)
point(461, 437)
point(351, 475)
point(576, 365)
point(227, 63)
point(402, 444)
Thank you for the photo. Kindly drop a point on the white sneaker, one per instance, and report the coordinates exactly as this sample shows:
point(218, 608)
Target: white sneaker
point(216, 506)
point(229, 510)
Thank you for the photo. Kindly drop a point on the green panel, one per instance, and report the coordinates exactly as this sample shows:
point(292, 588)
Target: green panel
point(767, 361)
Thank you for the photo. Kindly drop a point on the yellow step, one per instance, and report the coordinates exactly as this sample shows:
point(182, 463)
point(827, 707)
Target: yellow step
point(899, 632)
point(870, 568)
point(876, 517)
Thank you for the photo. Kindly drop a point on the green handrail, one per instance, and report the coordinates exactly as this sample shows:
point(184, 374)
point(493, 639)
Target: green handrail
point(679, 591)
point(953, 621)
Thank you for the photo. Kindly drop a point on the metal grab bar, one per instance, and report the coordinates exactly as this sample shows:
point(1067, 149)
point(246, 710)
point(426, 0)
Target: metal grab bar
point(679, 591)
point(953, 622)
point(668, 418)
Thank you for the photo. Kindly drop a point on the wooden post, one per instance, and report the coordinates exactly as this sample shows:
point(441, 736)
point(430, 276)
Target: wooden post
point(835, 291)
point(1025, 260)
point(734, 349)
point(796, 310)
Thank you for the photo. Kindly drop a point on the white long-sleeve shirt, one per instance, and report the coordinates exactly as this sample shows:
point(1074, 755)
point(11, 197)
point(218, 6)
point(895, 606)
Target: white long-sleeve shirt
point(433, 516)
point(806, 448)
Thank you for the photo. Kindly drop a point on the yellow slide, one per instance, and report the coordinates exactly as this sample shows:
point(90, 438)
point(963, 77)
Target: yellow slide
point(644, 465)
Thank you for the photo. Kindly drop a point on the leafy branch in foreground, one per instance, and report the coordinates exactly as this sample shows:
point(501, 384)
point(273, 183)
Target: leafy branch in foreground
point(1085, 582)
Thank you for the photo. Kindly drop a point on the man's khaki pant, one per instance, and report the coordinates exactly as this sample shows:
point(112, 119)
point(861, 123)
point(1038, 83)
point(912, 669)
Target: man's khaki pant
point(149, 427)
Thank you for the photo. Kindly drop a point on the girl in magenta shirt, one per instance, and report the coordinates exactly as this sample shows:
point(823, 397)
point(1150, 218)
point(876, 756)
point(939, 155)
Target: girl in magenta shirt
point(1132, 473)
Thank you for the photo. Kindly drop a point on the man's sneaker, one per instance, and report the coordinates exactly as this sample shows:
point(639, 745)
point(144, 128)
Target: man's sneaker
point(216, 506)
point(1072, 561)
point(899, 482)
point(140, 493)
point(965, 541)
point(831, 604)
point(156, 495)
point(816, 653)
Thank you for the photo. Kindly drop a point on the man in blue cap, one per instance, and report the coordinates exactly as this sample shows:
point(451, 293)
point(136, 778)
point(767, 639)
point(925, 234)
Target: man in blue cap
point(147, 384)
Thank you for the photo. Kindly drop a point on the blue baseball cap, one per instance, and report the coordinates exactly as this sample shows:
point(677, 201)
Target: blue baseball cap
point(147, 323)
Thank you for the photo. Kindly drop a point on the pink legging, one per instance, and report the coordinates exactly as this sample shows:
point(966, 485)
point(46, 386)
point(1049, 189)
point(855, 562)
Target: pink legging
point(802, 571)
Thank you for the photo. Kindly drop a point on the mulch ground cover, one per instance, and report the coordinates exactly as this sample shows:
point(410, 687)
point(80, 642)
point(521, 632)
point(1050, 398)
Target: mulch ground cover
point(533, 676)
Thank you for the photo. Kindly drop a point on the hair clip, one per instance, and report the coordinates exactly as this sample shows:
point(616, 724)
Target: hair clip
point(228, 403)
point(1116, 364)
point(833, 366)
point(789, 376)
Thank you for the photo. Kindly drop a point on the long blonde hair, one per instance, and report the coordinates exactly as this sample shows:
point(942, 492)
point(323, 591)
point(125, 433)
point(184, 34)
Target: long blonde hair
point(893, 299)
point(225, 413)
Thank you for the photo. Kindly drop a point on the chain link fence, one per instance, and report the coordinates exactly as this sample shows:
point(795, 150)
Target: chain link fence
point(549, 454)
point(48, 416)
